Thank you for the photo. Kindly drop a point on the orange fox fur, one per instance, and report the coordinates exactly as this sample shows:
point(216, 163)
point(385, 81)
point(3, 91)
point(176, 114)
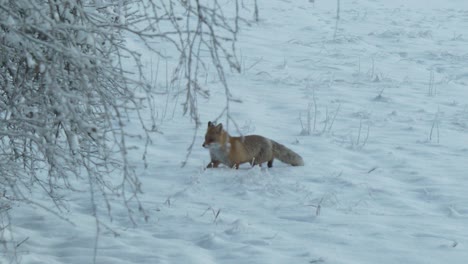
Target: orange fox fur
point(233, 151)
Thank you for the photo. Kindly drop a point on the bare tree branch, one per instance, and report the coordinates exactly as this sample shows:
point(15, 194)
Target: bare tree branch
point(67, 93)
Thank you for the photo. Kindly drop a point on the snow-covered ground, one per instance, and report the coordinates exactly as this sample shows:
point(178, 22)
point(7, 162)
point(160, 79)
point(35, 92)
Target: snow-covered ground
point(386, 165)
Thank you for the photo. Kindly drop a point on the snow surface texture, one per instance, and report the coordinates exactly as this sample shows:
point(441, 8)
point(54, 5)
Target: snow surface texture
point(384, 182)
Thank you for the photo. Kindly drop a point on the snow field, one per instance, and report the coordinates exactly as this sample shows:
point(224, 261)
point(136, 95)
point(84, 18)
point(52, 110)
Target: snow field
point(384, 183)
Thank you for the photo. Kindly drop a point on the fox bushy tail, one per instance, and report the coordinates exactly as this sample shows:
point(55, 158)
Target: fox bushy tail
point(286, 155)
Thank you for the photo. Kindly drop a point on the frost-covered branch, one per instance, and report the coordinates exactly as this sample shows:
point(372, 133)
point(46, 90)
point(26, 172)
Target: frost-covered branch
point(69, 86)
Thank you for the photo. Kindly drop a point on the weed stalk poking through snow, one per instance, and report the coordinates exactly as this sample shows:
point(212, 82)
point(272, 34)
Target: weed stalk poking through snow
point(435, 125)
point(431, 89)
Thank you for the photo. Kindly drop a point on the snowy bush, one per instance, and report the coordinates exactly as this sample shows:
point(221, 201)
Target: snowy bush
point(67, 91)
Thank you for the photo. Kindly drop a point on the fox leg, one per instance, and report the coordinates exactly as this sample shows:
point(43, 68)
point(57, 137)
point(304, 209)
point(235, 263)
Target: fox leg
point(253, 163)
point(270, 163)
point(213, 164)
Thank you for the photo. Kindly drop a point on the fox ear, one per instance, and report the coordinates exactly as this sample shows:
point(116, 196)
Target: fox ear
point(219, 128)
point(210, 124)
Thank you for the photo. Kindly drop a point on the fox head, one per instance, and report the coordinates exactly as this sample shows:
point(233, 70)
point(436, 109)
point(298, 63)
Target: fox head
point(213, 136)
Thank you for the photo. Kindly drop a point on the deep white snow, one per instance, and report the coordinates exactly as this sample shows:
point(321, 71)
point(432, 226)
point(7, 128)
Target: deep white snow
point(386, 167)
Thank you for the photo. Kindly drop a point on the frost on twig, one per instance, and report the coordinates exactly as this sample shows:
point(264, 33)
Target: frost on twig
point(70, 86)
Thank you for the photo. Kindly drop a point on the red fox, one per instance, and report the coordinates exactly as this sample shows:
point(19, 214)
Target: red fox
point(233, 151)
